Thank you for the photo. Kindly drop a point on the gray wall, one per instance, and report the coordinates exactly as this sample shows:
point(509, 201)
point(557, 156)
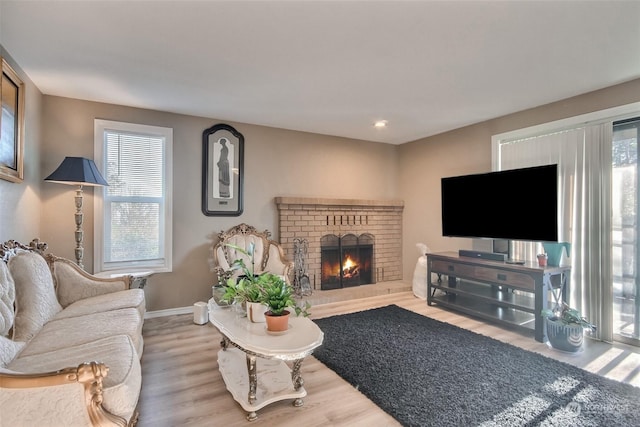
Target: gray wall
point(20, 202)
point(277, 163)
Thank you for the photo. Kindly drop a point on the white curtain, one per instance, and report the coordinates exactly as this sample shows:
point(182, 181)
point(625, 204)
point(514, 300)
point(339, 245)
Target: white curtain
point(583, 156)
point(593, 269)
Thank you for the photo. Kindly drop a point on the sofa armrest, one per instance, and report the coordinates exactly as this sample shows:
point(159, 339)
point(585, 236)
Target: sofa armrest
point(73, 283)
point(70, 396)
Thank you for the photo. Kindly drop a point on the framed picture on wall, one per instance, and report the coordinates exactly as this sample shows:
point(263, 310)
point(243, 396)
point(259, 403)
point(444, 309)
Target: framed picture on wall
point(222, 171)
point(11, 125)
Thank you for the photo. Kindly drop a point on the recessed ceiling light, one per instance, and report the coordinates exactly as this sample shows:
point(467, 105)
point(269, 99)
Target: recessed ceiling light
point(380, 124)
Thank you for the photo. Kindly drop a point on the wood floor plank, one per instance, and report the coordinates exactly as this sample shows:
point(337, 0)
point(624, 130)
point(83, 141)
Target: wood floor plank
point(182, 385)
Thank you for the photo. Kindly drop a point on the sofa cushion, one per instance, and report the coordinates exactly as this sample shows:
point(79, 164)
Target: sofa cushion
point(131, 298)
point(8, 350)
point(72, 331)
point(7, 299)
point(72, 287)
point(122, 383)
point(36, 301)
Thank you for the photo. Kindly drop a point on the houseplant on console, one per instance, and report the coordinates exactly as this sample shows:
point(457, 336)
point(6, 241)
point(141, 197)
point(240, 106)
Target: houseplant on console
point(246, 290)
point(246, 293)
point(565, 328)
point(278, 296)
point(260, 293)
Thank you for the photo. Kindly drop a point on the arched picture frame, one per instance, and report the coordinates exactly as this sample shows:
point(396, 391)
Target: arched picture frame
point(11, 125)
point(222, 171)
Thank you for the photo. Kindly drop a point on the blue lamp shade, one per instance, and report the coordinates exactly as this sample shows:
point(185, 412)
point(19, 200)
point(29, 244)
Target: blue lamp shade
point(79, 171)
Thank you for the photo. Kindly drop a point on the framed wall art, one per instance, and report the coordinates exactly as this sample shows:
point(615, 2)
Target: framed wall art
point(222, 171)
point(11, 125)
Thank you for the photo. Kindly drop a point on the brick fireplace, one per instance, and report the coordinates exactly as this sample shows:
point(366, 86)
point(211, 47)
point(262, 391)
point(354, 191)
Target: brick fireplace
point(315, 220)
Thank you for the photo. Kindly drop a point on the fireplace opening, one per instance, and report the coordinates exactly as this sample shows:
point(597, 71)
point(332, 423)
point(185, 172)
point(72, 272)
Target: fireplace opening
point(346, 260)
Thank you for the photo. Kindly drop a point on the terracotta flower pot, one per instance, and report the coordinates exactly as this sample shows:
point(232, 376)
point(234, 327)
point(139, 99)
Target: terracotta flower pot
point(277, 323)
point(542, 260)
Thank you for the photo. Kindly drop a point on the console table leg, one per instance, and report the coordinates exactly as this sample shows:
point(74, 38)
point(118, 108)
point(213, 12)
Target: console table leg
point(296, 378)
point(564, 278)
point(541, 301)
point(252, 416)
point(298, 403)
point(253, 378)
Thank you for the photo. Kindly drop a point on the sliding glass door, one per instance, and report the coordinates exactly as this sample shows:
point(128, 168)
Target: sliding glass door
point(626, 242)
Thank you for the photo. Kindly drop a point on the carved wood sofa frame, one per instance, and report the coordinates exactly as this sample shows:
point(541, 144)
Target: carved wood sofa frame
point(89, 374)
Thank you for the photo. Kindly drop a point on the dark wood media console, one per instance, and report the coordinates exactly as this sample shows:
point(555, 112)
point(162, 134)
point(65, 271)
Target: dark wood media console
point(487, 289)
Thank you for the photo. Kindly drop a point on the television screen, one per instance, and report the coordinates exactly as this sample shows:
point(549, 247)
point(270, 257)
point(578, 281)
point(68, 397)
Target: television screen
point(518, 204)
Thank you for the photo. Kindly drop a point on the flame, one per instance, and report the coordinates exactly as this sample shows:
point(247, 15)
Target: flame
point(350, 268)
point(348, 263)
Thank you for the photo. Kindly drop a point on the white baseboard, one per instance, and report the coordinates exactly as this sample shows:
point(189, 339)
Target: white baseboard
point(168, 312)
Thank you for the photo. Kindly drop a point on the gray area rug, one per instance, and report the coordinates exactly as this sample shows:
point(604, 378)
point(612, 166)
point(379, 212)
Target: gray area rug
point(424, 372)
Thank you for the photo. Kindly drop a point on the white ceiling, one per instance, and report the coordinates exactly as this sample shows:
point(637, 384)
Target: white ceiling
point(329, 67)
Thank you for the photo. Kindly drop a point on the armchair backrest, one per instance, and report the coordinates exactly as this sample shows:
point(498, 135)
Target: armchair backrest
point(267, 254)
point(227, 254)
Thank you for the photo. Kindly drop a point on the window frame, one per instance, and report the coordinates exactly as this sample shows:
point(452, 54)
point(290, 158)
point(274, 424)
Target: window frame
point(164, 264)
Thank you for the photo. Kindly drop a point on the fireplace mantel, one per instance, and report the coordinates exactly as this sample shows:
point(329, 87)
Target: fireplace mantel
point(311, 218)
point(311, 201)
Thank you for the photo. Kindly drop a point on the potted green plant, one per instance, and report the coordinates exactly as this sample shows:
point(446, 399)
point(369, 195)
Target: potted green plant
point(245, 290)
point(565, 328)
point(260, 293)
point(278, 297)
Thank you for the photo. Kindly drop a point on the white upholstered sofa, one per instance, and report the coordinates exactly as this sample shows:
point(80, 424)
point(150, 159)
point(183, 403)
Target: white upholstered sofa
point(70, 343)
point(268, 255)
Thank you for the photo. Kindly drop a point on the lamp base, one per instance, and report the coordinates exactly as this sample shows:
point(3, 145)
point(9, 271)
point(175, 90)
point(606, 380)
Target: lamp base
point(79, 234)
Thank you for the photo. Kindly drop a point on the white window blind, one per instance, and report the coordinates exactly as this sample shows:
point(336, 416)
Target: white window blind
point(135, 231)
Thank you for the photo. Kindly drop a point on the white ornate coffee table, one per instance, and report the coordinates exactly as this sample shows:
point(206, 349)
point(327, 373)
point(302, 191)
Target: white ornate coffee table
point(254, 368)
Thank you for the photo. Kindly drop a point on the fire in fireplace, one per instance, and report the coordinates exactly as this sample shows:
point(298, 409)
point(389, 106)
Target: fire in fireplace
point(346, 260)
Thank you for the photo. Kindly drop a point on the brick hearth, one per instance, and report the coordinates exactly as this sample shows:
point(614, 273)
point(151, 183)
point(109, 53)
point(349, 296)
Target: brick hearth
point(312, 218)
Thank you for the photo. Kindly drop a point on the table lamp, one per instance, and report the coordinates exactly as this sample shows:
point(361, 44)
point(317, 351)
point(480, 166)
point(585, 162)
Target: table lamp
point(78, 171)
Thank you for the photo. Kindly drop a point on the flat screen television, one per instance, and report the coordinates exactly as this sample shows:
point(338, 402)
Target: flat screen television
point(517, 204)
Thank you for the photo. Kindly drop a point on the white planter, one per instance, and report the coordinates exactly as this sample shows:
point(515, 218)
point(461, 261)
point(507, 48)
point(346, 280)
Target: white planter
point(255, 312)
point(200, 313)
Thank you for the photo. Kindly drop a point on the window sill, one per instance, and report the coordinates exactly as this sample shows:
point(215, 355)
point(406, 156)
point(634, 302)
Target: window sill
point(139, 277)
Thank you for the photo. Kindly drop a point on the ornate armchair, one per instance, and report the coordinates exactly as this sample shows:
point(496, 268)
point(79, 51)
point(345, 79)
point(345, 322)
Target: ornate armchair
point(268, 254)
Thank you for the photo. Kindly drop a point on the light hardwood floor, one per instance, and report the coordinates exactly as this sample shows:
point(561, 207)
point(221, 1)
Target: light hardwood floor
point(182, 386)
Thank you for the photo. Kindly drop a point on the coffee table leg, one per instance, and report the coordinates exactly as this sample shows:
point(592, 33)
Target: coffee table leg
point(296, 378)
point(253, 377)
point(224, 342)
